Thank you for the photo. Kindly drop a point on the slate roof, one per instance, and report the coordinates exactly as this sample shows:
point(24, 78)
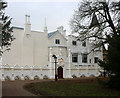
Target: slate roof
point(17, 27)
point(52, 33)
point(49, 34)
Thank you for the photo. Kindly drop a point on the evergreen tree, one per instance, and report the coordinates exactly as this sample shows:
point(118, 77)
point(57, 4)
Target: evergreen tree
point(6, 36)
point(111, 65)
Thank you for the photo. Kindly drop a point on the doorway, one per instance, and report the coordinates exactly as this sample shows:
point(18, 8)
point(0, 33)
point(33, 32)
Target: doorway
point(60, 72)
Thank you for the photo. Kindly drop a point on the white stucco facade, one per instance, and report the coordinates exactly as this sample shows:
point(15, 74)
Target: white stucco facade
point(31, 55)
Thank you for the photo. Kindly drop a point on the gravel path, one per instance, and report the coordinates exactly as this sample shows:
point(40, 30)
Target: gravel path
point(15, 88)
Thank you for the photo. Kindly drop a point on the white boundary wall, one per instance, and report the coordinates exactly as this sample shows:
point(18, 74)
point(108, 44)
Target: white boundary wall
point(28, 72)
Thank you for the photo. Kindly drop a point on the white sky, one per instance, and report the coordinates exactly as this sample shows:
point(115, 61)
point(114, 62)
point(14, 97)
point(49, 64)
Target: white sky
point(42, 0)
point(56, 13)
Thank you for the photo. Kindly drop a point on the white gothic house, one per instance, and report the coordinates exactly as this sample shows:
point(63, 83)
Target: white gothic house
point(31, 53)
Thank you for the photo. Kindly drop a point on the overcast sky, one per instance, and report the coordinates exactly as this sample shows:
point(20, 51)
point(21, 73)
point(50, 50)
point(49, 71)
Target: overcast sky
point(56, 13)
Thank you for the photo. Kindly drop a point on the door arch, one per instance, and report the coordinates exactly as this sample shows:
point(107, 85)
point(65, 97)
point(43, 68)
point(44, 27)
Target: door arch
point(60, 72)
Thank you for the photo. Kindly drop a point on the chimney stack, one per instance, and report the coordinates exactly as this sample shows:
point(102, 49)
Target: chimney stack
point(27, 28)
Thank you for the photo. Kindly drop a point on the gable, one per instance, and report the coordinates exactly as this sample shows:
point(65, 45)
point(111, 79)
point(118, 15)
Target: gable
point(58, 36)
point(53, 34)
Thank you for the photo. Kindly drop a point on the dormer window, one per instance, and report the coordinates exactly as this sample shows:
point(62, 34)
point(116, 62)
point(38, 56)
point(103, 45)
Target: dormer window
point(74, 43)
point(57, 41)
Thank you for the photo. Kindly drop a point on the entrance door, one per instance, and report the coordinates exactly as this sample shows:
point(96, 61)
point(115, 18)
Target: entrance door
point(60, 72)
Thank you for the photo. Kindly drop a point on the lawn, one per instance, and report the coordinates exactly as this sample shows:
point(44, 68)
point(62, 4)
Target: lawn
point(74, 87)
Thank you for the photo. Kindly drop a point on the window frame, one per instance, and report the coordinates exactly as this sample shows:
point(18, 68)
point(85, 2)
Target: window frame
point(90, 60)
point(85, 59)
point(75, 58)
point(84, 44)
point(57, 41)
point(74, 43)
point(96, 59)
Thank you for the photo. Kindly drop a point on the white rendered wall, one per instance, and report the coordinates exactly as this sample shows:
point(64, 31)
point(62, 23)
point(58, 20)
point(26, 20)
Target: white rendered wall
point(36, 49)
point(13, 56)
point(31, 50)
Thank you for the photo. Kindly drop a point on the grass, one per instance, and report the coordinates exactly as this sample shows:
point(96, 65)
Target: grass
point(75, 87)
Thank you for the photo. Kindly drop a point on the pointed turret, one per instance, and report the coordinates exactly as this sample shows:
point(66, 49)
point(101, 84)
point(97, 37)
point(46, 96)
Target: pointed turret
point(94, 21)
point(45, 27)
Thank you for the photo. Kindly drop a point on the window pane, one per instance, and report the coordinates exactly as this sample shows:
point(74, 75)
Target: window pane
point(57, 41)
point(73, 42)
point(84, 44)
point(75, 58)
point(95, 59)
point(90, 60)
point(84, 58)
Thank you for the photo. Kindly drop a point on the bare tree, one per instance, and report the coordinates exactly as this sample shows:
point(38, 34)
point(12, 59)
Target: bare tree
point(100, 22)
point(96, 19)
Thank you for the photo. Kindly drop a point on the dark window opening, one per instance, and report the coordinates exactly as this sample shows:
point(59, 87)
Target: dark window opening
point(57, 41)
point(84, 58)
point(95, 59)
point(75, 58)
point(74, 42)
point(84, 44)
point(90, 60)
